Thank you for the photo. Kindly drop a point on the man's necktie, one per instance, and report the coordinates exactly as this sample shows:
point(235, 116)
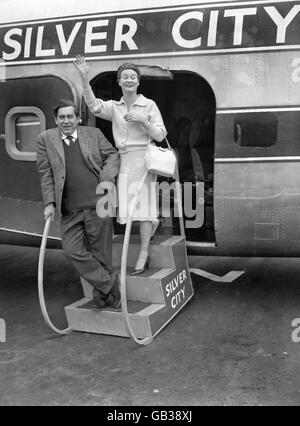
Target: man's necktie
point(70, 139)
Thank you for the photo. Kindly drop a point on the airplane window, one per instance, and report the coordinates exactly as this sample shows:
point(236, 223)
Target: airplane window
point(22, 126)
point(28, 127)
point(257, 129)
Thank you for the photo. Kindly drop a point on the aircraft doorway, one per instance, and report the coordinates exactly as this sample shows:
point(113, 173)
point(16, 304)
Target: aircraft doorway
point(187, 104)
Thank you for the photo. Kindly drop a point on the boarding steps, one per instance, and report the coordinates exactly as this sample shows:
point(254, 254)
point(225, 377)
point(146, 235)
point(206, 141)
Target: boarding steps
point(153, 298)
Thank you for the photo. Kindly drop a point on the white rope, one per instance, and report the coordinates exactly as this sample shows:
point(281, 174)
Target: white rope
point(148, 339)
point(41, 281)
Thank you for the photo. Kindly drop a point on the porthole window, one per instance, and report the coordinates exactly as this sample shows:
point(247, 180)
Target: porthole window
point(28, 126)
point(257, 129)
point(22, 126)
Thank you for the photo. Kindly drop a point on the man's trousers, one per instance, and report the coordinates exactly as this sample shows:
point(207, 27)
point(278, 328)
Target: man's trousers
point(87, 243)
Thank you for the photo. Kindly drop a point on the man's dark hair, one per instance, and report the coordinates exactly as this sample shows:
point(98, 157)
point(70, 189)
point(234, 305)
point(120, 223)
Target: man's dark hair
point(63, 103)
point(128, 66)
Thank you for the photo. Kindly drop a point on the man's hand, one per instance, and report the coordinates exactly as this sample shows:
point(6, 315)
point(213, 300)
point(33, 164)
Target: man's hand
point(49, 211)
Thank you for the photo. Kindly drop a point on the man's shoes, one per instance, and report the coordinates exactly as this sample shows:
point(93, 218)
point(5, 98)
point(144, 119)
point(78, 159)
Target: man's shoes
point(113, 298)
point(99, 300)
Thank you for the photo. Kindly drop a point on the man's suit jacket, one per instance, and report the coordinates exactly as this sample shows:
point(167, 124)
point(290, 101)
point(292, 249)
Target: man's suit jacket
point(98, 153)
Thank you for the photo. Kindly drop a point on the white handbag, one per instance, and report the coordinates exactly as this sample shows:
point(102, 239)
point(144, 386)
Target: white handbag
point(160, 161)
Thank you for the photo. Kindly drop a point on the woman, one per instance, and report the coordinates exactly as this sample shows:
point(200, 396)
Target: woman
point(136, 121)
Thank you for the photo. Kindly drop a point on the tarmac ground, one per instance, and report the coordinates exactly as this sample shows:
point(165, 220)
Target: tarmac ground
point(231, 345)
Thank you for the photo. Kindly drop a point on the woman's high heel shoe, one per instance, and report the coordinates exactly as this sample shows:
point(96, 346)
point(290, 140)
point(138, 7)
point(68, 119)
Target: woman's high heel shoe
point(139, 269)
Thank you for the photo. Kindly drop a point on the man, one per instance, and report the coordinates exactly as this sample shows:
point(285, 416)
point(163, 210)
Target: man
point(72, 161)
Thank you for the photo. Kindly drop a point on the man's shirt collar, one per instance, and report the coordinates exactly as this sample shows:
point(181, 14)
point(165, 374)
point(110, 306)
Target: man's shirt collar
point(74, 135)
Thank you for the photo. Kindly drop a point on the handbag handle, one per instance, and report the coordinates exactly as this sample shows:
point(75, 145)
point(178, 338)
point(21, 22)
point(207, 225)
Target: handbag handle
point(169, 146)
point(165, 138)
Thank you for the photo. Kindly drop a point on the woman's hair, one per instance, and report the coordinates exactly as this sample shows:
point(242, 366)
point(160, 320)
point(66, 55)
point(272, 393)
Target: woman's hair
point(128, 66)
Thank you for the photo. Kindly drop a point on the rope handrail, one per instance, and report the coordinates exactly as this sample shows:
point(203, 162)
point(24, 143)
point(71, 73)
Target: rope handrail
point(148, 339)
point(41, 281)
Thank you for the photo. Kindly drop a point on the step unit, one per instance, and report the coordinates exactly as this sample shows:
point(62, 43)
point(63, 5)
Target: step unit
point(160, 255)
point(154, 297)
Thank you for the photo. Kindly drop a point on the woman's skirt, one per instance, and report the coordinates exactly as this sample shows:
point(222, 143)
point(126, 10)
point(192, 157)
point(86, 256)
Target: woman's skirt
point(132, 171)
